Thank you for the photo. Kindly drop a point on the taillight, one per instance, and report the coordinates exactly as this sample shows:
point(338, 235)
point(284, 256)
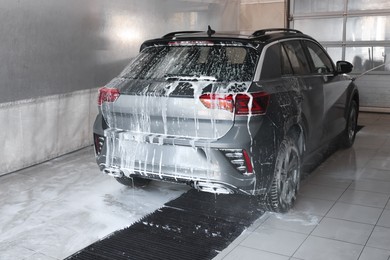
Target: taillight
point(241, 104)
point(252, 103)
point(218, 101)
point(108, 95)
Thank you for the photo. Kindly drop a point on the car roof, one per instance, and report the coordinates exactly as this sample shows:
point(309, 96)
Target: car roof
point(261, 37)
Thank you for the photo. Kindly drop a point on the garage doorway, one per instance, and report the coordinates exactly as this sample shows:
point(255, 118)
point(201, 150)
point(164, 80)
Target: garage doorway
point(357, 31)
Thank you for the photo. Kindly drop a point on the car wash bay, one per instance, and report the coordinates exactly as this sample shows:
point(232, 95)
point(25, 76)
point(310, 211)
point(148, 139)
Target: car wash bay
point(54, 202)
point(55, 209)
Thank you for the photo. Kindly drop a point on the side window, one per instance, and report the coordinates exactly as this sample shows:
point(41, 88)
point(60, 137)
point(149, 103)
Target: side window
point(297, 57)
point(272, 63)
point(286, 65)
point(321, 62)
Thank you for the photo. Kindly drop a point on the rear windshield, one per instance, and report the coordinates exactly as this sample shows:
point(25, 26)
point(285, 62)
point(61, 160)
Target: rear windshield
point(217, 62)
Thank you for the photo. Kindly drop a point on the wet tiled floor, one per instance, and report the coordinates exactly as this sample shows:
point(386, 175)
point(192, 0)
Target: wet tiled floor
point(54, 209)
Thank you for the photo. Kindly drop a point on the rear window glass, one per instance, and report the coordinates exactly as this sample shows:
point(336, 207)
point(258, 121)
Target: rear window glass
point(217, 62)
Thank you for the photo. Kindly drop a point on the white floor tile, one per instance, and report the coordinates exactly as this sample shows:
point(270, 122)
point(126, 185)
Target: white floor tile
point(385, 147)
point(373, 142)
point(375, 174)
point(13, 250)
point(325, 249)
point(371, 185)
point(293, 221)
point(39, 256)
point(247, 253)
point(329, 180)
point(355, 213)
point(368, 118)
point(316, 207)
point(365, 198)
point(347, 164)
point(384, 220)
point(370, 253)
point(347, 170)
point(343, 230)
point(221, 255)
point(258, 222)
point(379, 162)
point(274, 241)
point(380, 238)
point(320, 192)
point(15, 183)
point(348, 174)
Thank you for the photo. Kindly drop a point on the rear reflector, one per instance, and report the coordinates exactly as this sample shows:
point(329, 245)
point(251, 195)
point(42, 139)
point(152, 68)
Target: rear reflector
point(240, 160)
point(108, 95)
point(249, 168)
point(241, 104)
point(98, 143)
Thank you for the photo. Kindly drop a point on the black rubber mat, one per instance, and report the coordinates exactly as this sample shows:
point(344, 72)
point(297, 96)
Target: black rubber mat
point(196, 225)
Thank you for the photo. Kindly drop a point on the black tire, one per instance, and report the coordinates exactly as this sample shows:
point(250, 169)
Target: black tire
point(349, 134)
point(133, 181)
point(287, 177)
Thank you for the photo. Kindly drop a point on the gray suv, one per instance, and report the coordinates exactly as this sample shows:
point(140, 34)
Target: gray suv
point(225, 112)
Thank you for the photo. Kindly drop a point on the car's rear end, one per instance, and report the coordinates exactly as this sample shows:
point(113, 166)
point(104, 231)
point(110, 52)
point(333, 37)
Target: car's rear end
point(182, 112)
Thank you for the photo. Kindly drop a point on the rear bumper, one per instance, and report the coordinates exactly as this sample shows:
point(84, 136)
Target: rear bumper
point(195, 162)
point(201, 166)
point(201, 184)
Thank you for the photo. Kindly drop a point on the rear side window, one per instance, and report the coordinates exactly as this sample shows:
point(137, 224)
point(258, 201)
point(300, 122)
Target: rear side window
point(276, 63)
point(222, 63)
point(272, 63)
point(286, 64)
point(321, 63)
point(297, 57)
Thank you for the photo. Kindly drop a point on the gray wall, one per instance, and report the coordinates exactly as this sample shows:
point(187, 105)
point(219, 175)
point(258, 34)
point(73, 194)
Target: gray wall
point(55, 54)
point(52, 47)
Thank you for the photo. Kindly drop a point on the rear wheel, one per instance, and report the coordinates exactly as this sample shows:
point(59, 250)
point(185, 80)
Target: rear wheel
point(287, 176)
point(133, 181)
point(349, 134)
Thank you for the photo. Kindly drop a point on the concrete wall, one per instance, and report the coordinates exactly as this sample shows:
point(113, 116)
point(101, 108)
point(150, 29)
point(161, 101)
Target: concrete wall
point(54, 55)
point(42, 128)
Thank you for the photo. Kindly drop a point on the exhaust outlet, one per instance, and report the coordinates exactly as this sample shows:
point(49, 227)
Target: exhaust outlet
point(211, 187)
point(114, 172)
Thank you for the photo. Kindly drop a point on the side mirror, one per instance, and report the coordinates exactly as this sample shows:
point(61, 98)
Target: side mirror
point(343, 67)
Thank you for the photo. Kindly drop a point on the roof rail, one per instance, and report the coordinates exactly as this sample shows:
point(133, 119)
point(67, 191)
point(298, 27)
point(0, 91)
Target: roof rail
point(264, 31)
point(173, 34)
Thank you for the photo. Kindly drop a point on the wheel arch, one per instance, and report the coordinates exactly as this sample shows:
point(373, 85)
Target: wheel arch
point(354, 96)
point(297, 132)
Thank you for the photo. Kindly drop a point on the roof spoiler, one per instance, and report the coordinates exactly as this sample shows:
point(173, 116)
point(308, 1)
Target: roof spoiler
point(173, 34)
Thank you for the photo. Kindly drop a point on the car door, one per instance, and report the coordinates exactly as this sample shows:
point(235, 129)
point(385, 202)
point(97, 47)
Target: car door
point(334, 89)
point(311, 87)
